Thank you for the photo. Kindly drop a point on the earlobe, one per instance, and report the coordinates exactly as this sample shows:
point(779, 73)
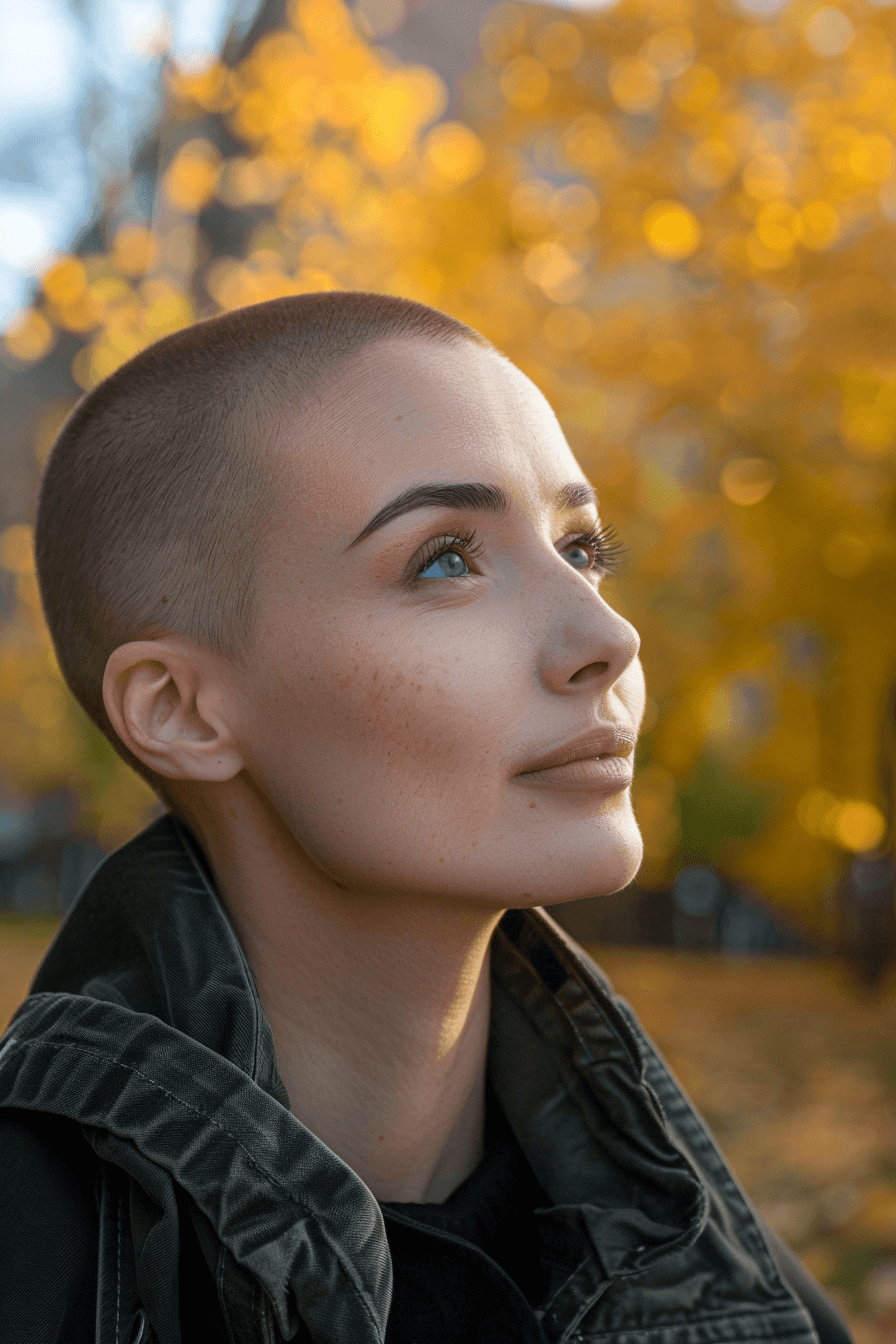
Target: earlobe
point(162, 703)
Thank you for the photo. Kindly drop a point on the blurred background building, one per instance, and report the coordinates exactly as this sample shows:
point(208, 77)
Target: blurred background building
point(676, 216)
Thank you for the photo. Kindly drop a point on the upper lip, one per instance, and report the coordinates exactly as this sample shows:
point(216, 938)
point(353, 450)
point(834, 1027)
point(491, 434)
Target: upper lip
point(603, 739)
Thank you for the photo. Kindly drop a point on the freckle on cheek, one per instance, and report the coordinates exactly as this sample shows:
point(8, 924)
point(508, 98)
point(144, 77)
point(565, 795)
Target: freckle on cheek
point(533, 804)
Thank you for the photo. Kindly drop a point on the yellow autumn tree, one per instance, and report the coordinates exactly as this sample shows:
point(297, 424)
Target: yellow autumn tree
point(677, 218)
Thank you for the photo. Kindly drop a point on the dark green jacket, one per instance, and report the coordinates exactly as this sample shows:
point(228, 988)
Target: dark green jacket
point(156, 1187)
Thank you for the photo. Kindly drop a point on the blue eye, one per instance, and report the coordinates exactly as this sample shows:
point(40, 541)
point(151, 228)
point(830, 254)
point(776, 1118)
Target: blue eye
point(583, 559)
point(445, 557)
point(448, 565)
point(599, 549)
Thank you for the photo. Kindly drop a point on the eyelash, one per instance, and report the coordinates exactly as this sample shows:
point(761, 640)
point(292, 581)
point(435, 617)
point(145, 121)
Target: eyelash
point(604, 543)
point(465, 542)
point(608, 550)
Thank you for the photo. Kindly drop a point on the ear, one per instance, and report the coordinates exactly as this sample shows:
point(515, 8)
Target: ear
point(168, 706)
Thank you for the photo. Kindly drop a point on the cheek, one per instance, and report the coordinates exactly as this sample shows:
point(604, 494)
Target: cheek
point(384, 740)
point(631, 690)
point(387, 758)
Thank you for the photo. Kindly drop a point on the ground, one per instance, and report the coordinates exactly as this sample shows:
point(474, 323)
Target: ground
point(792, 1065)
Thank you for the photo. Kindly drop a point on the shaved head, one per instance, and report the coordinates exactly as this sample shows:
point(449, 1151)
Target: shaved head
point(153, 505)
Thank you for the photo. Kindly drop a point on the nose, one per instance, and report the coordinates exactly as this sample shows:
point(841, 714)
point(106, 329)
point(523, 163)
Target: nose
point(586, 643)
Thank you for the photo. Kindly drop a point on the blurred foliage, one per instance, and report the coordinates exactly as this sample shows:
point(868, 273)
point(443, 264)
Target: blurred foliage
point(676, 217)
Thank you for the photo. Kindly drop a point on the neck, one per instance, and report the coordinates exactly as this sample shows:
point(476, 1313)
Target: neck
point(379, 1004)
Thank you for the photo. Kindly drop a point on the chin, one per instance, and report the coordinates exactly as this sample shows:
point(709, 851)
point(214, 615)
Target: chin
point(601, 870)
point(622, 870)
point(617, 859)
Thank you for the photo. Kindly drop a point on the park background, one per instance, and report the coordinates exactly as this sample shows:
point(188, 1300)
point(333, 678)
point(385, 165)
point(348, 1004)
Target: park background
point(679, 218)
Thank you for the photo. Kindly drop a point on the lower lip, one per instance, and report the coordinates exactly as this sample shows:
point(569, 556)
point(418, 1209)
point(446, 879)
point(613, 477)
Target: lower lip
point(610, 775)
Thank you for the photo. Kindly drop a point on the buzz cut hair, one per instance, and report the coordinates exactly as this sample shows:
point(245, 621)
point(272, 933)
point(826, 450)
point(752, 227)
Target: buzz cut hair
point(152, 509)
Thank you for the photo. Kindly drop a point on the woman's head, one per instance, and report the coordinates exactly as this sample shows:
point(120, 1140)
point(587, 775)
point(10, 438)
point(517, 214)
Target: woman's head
point(156, 495)
point(426, 630)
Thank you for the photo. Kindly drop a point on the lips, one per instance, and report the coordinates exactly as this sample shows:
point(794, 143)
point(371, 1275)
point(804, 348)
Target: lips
point(606, 740)
point(601, 759)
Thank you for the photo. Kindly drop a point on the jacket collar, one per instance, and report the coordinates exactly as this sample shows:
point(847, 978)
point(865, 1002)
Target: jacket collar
point(570, 1076)
point(149, 932)
point(147, 974)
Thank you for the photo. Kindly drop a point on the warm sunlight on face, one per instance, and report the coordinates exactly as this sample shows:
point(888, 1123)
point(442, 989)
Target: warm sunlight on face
point(420, 675)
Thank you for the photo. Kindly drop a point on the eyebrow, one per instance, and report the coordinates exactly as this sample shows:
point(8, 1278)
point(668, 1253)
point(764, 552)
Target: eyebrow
point(471, 495)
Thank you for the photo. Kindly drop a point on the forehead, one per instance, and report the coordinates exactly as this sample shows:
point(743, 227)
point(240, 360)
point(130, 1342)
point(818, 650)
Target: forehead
point(408, 412)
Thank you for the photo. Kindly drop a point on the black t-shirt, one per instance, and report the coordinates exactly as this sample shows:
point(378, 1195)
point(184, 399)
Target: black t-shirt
point(495, 1207)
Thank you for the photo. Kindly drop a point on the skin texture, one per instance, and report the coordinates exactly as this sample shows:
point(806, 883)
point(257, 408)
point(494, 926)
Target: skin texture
point(355, 782)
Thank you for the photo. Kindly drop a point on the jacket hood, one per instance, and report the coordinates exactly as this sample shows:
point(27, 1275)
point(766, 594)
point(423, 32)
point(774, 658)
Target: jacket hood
point(145, 1026)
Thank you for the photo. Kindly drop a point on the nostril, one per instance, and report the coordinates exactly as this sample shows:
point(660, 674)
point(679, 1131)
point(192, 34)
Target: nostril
point(591, 672)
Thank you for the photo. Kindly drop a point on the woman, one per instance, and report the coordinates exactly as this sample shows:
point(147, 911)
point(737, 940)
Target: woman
point(306, 1060)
